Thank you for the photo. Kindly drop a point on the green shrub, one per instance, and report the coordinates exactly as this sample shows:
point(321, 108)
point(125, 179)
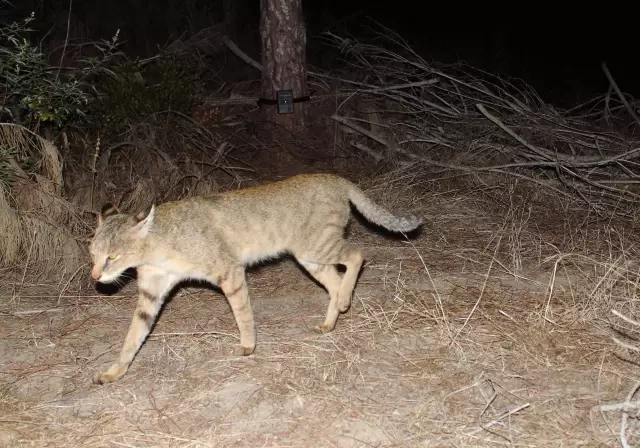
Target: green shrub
point(33, 91)
point(131, 91)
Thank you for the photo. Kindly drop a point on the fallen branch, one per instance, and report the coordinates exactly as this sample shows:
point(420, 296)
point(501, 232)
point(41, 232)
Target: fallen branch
point(458, 115)
point(615, 87)
point(231, 45)
point(498, 169)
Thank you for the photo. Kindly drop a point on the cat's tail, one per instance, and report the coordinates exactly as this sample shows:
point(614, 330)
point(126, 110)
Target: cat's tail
point(379, 215)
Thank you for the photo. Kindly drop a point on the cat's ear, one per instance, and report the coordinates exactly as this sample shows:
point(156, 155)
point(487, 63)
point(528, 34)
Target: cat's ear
point(106, 211)
point(145, 223)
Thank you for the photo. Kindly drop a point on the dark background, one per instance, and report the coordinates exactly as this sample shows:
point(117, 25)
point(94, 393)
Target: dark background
point(557, 48)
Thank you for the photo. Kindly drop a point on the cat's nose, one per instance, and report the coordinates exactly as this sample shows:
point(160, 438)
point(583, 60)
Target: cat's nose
point(95, 273)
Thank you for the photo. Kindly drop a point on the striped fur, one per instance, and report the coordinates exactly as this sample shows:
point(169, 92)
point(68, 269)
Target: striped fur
point(214, 238)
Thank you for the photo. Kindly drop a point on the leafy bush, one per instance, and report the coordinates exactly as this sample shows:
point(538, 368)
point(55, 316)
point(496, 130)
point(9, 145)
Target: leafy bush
point(132, 91)
point(104, 90)
point(34, 92)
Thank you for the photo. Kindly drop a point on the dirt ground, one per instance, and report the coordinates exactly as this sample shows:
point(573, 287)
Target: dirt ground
point(443, 346)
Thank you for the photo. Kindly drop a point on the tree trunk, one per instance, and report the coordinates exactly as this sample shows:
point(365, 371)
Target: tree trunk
point(284, 57)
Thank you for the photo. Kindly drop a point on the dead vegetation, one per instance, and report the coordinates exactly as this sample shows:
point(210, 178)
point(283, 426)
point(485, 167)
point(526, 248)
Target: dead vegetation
point(474, 124)
point(37, 223)
point(511, 319)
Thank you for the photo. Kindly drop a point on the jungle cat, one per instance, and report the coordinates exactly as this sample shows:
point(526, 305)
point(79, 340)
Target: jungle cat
point(214, 238)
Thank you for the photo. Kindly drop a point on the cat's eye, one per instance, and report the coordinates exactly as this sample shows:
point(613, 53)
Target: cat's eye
point(112, 257)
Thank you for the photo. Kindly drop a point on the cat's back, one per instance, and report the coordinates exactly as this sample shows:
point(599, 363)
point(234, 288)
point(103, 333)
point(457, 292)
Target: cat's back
point(269, 208)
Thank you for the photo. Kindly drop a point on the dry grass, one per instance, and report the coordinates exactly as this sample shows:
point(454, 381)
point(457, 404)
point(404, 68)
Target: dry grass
point(47, 221)
point(446, 344)
point(493, 327)
point(164, 157)
point(36, 223)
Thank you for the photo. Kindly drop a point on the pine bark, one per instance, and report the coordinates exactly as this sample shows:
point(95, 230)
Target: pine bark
point(284, 56)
